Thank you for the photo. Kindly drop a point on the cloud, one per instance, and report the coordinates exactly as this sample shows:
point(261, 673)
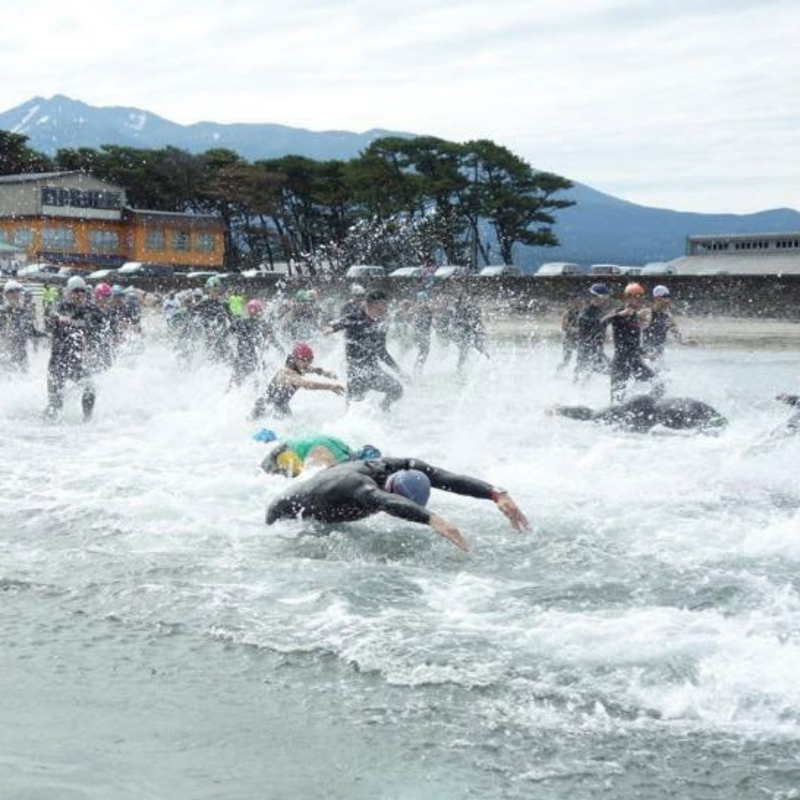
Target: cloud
point(620, 94)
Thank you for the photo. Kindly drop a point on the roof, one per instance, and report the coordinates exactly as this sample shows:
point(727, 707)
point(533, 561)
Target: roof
point(28, 177)
point(178, 216)
point(756, 264)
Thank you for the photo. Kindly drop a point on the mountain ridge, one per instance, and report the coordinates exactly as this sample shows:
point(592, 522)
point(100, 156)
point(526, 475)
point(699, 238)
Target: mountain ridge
point(599, 228)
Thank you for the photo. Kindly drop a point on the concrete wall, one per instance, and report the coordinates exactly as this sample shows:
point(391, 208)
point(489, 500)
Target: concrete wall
point(692, 295)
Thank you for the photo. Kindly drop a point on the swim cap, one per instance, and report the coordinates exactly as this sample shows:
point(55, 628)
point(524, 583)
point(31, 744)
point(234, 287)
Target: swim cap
point(302, 352)
point(365, 453)
point(422, 297)
point(12, 286)
point(660, 291)
point(410, 483)
point(75, 283)
point(212, 282)
point(264, 435)
point(633, 290)
point(357, 290)
point(289, 463)
point(254, 307)
point(117, 290)
point(102, 290)
point(599, 290)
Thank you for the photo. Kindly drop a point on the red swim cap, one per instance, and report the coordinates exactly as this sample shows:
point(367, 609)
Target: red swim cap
point(634, 289)
point(302, 352)
point(254, 307)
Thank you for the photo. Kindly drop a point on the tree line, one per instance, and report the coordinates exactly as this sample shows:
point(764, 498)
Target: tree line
point(402, 201)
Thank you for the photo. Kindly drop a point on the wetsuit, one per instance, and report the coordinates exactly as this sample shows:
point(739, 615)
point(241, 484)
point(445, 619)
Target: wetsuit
point(422, 324)
point(792, 425)
point(251, 338)
point(569, 326)
point(645, 412)
point(16, 330)
point(467, 329)
point(354, 490)
point(278, 393)
point(627, 362)
point(73, 328)
point(213, 315)
point(365, 348)
point(654, 336)
point(590, 339)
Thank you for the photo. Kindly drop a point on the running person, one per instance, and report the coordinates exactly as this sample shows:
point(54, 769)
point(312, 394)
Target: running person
point(399, 486)
point(627, 324)
point(365, 349)
point(291, 377)
point(592, 334)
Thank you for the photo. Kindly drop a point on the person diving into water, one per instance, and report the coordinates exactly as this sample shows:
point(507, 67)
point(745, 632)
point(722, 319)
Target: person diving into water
point(642, 413)
point(399, 486)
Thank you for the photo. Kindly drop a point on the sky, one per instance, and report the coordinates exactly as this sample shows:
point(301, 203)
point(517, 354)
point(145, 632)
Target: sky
point(692, 105)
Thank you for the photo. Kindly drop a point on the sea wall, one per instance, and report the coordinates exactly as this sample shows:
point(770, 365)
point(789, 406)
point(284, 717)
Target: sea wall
point(769, 296)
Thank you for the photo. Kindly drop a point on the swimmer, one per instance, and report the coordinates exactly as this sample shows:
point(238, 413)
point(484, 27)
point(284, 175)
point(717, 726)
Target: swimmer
point(293, 456)
point(291, 377)
point(399, 486)
point(643, 413)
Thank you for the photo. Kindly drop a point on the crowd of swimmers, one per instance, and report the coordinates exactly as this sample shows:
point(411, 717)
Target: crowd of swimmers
point(87, 328)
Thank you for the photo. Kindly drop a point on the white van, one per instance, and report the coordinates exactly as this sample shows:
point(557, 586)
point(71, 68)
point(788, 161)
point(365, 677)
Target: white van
point(607, 269)
point(552, 268)
point(365, 271)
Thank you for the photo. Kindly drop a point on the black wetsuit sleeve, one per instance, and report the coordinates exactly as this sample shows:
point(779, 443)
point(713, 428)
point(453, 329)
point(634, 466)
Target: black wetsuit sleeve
point(575, 412)
point(387, 359)
point(451, 482)
point(374, 499)
point(791, 399)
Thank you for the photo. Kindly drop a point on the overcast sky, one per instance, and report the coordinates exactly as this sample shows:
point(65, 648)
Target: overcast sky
point(685, 104)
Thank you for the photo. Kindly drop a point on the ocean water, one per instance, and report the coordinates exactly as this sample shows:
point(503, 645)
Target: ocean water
point(157, 640)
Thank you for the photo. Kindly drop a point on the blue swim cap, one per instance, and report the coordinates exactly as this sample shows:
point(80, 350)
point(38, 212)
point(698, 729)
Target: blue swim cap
point(264, 435)
point(599, 290)
point(410, 483)
point(365, 453)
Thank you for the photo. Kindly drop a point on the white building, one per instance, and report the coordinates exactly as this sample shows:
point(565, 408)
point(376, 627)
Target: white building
point(741, 254)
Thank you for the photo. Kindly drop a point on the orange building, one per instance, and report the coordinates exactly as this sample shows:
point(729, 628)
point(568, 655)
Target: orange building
point(73, 218)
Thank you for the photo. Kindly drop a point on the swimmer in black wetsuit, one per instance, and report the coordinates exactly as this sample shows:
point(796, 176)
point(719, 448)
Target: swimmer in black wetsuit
point(291, 377)
point(365, 349)
point(792, 425)
point(645, 412)
point(399, 486)
point(627, 324)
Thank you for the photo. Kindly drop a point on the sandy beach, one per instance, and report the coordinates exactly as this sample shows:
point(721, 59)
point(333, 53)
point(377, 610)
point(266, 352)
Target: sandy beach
point(707, 331)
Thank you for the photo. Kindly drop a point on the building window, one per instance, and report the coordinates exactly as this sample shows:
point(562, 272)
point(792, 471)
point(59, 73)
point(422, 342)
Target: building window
point(103, 241)
point(58, 238)
point(78, 198)
point(205, 242)
point(156, 240)
point(22, 237)
point(4, 237)
point(180, 240)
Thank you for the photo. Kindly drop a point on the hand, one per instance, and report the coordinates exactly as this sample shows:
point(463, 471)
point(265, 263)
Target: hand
point(519, 522)
point(337, 388)
point(448, 531)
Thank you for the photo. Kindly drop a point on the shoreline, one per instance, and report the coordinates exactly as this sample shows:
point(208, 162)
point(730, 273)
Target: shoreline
point(723, 332)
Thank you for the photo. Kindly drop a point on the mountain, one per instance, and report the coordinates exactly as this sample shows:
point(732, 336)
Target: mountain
point(60, 122)
point(599, 228)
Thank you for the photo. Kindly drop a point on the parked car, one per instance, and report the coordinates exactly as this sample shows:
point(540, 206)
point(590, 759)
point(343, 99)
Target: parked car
point(365, 271)
point(608, 269)
point(499, 270)
point(659, 268)
point(552, 268)
point(139, 269)
point(38, 268)
point(102, 274)
point(205, 274)
point(451, 271)
point(406, 272)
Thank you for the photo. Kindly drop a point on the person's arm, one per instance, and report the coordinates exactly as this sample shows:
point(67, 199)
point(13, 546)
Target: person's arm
point(473, 487)
point(288, 378)
point(789, 399)
point(571, 412)
point(398, 506)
